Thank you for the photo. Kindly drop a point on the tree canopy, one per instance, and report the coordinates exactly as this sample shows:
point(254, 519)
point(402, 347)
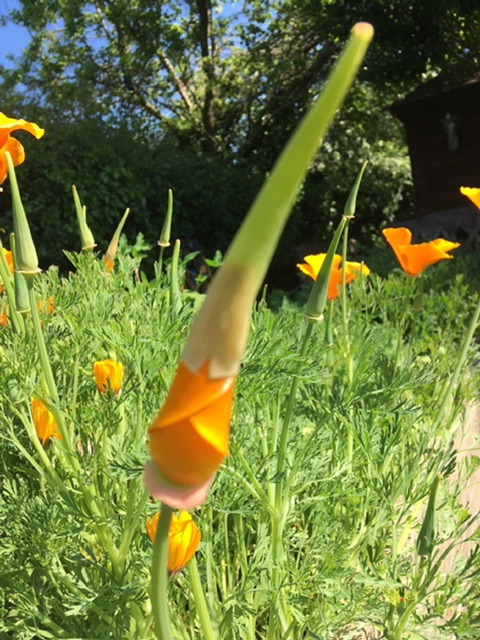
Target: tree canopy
point(229, 81)
point(225, 77)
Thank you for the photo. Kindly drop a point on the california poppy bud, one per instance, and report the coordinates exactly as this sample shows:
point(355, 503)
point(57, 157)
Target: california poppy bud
point(86, 235)
point(26, 260)
point(109, 258)
point(183, 539)
point(44, 422)
point(108, 375)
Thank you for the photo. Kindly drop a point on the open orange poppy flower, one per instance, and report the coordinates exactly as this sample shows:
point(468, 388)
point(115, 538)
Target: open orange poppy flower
point(414, 258)
point(314, 263)
point(13, 146)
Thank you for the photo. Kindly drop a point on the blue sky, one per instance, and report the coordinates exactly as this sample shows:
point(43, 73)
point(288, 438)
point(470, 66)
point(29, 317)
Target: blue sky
point(12, 38)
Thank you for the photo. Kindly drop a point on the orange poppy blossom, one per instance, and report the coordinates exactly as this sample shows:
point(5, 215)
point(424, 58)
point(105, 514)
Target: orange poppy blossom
point(183, 538)
point(472, 193)
point(414, 258)
point(13, 146)
point(3, 319)
point(313, 264)
point(44, 422)
point(108, 375)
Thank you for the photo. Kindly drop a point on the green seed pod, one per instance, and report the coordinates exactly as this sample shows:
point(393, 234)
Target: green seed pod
point(27, 260)
point(167, 225)
point(86, 236)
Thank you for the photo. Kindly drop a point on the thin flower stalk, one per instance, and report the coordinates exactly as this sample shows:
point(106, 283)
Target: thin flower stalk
point(159, 573)
point(200, 601)
point(175, 297)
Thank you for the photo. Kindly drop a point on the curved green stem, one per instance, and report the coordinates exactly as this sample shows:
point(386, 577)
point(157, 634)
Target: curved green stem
point(159, 574)
point(282, 446)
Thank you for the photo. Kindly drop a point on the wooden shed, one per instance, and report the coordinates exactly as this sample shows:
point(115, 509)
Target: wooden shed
point(442, 122)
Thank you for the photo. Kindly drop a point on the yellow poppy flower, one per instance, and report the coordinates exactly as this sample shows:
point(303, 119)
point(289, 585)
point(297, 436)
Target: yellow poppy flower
point(314, 263)
point(44, 422)
point(414, 258)
point(108, 374)
point(13, 146)
point(183, 539)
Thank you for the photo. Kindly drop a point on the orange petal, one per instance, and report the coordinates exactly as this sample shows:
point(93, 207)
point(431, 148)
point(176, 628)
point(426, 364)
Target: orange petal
point(7, 125)
point(189, 394)
point(182, 455)
point(472, 193)
point(445, 245)
point(334, 284)
point(17, 152)
point(307, 270)
point(419, 256)
point(398, 237)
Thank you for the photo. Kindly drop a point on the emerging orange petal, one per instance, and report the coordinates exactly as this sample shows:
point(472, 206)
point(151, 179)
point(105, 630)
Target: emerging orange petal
point(189, 436)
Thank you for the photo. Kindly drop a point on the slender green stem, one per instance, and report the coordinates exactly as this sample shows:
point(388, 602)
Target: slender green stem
point(400, 626)
point(459, 366)
point(401, 329)
point(76, 371)
point(159, 574)
point(282, 446)
point(160, 263)
point(132, 518)
point(200, 602)
point(343, 300)
point(46, 367)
